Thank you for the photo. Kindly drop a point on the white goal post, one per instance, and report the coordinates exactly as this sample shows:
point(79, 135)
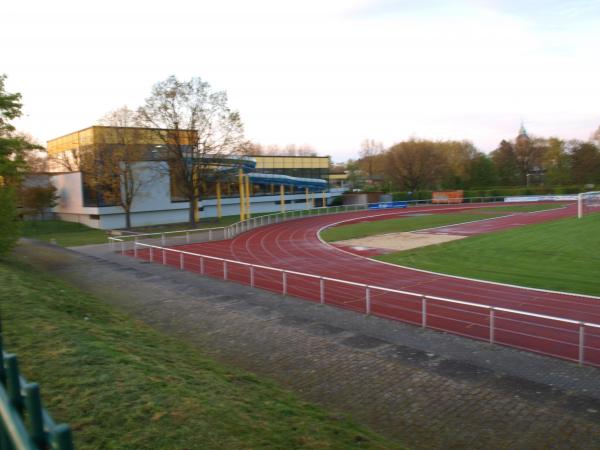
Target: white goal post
point(588, 202)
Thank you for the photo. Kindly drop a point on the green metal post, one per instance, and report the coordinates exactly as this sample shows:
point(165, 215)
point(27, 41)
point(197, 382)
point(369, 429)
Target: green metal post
point(13, 384)
point(33, 406)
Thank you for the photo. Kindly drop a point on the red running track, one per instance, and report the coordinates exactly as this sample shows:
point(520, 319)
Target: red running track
point(295, 246)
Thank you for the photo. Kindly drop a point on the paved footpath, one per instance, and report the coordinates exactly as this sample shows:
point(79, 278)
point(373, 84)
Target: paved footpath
point(427, 390)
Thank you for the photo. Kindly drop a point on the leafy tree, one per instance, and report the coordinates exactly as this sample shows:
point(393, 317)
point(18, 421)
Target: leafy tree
point(37, 199)
point(13, 148)
point(415, 164)
point(457, 157)
point(585, 162)
point(205, 129)
point(555, 162)
point(355, 177)
point(505, 161)
point(482, 171)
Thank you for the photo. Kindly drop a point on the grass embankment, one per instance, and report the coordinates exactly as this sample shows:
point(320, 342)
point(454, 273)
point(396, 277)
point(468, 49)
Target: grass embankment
point(121, 384)
point(559, 255)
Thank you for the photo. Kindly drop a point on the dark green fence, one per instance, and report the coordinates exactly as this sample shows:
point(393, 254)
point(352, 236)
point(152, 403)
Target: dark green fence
point(24, 423)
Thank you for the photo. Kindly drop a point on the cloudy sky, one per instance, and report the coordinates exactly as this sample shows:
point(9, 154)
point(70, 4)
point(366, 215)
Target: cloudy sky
point(318, 72)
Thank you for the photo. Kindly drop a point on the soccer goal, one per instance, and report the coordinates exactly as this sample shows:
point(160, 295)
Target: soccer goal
point(588, 202)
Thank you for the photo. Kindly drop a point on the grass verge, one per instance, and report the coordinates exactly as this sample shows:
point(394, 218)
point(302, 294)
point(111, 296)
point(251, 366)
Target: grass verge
point(521, 208)
point(65, 234)
point(121, 384)
point(559, 255)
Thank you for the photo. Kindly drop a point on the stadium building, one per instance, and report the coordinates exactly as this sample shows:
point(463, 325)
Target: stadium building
point(274, 183)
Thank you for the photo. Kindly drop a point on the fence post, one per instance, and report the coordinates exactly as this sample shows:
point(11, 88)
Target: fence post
point(210, 234)
point(251, 276)
point(13, 383)
point(322, 290)
point(224, 269)
point(187, 237)
point(62, 434)
point(424, 311)
point(163, 239)
point(201, 265)
point(164, 256)
point(181, 261)
point(135, 247)
point(367, 300)
point(492, 325)
point(151, 254)
point(581, 343)
point(284, 282)
point(33, 405)
point(123, 248)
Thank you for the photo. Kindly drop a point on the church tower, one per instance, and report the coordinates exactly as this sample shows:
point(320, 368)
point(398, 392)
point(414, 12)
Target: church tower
point(523, 137)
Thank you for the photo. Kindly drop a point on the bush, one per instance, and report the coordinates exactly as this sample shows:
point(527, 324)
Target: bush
point(9, 226)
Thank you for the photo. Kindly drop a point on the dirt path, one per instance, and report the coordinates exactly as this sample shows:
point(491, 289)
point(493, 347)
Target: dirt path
point(425, 389)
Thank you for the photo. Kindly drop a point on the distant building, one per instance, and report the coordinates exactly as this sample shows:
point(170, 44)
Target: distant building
point(302, 177)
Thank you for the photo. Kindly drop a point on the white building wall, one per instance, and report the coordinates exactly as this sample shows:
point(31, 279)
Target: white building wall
point(153, 205)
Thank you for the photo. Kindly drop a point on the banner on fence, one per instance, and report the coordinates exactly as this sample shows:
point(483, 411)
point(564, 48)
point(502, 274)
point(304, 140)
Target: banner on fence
point(447, 197)
point(386, 205)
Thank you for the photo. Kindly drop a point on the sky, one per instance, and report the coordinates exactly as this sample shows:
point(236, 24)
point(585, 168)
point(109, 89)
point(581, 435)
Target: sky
point(323, 73)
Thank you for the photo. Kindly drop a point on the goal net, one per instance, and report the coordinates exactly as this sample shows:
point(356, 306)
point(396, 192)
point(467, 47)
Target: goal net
point(588, 202)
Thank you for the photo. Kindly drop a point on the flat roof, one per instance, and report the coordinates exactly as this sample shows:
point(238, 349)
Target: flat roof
point(129, 128)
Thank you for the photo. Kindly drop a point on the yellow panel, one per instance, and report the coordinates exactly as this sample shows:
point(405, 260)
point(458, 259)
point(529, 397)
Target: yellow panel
point(112, 135)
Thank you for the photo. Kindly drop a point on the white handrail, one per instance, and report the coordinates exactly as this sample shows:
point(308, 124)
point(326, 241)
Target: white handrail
point(233, 229)
point(379, 288)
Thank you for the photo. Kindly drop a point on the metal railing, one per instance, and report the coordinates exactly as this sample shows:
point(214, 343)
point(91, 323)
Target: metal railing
point(194, 236)
point(573, 340)
point(20, 403)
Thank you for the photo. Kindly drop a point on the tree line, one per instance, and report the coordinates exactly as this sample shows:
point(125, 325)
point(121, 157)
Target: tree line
point(421, 164)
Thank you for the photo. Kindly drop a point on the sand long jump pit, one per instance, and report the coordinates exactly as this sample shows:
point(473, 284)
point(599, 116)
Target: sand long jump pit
point(394, 242)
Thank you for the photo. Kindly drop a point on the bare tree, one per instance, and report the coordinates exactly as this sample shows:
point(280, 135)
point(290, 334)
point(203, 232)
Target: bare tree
point(117, 165)
point(202, 129)
point(371, 159)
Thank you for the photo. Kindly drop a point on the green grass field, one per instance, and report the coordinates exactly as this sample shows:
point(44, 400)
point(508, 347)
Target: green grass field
point(559, 255)
point(520, 208)
point(121, 384)
point(352, 231)
point(65, 234)
point(362, 229)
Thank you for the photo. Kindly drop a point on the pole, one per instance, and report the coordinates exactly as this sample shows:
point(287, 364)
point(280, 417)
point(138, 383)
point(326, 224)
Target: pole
point(580, 206)
point(581, 343)
point(242, 196)
point(306, 193)
point(219, 212)
point(324, 205)
point(282, 197)
point(248, 213)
